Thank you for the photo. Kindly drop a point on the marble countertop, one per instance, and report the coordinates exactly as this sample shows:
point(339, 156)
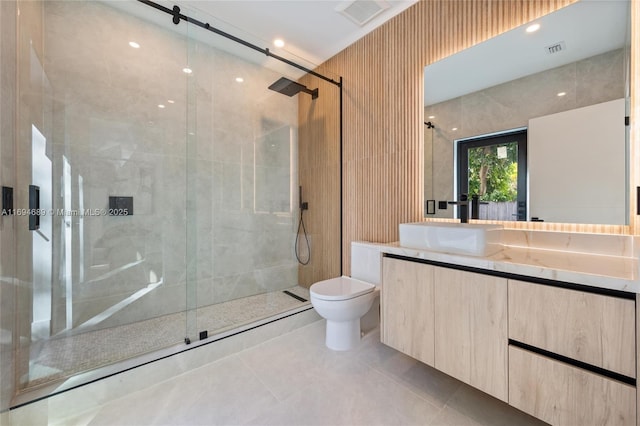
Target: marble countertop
point(596, 270)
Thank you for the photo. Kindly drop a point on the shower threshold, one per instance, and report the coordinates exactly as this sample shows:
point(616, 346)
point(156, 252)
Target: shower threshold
point(61, 363)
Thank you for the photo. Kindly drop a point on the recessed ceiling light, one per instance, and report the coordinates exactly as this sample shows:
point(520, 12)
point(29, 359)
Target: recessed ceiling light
point(187, 70)
point(454, 129)
point(533, 28)
point(239, 79)
point(278, 42)
point(432, 117)
point(134, 45)
point(171, 101)
point(562, 93)
point(160, 106)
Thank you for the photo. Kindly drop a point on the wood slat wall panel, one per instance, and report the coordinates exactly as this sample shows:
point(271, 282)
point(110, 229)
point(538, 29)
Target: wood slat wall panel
point(383, 111)
point(319, 176)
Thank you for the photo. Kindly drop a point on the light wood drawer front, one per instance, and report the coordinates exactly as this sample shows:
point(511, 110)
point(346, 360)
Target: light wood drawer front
point(407, 307)
point(592, 328)
point(561, 394)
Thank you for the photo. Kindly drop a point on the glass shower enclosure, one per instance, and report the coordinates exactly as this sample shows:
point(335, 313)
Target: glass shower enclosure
point(156, 185)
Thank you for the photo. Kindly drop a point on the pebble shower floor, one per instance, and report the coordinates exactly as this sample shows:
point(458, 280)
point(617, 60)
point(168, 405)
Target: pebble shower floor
point(59, 358)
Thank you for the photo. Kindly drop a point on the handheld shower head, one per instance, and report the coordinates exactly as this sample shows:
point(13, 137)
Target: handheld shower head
point(290, 88)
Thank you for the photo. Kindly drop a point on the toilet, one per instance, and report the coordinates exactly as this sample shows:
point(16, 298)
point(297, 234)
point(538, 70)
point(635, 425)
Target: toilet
point(350, 304)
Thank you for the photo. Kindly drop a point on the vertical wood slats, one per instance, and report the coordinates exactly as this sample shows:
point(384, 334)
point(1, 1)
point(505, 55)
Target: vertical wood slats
point(383, 112)
point(319, 176)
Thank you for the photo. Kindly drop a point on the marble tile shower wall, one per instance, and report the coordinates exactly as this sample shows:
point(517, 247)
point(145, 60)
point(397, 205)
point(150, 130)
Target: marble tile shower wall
point(203, 151)
point(511, 105)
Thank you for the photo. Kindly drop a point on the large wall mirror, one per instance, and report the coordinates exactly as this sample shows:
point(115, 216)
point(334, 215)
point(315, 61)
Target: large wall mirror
point(563, 85)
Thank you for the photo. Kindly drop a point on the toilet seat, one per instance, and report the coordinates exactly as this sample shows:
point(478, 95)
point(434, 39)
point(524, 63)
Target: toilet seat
point(341, 288)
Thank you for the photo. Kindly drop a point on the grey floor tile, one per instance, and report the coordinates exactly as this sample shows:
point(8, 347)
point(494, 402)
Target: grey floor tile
point(294, 379)
point(342, 404)
point(487, 410)
point(293, 361)
point(450, 417)
point(225, 392)
point(429, 383)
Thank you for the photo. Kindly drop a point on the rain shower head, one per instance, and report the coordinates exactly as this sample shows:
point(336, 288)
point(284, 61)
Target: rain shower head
point(290, 88)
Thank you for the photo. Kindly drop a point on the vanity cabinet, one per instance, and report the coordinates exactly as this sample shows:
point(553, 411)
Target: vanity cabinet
point(471, 329)
point(407, 306)
point(563, 353)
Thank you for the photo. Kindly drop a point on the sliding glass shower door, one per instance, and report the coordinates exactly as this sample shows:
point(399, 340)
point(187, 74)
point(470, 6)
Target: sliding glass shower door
point(158, 191)
point(243, 193)
point(102, 157)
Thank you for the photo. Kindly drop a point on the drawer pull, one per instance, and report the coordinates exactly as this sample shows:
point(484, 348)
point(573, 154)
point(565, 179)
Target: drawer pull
point(589, 367)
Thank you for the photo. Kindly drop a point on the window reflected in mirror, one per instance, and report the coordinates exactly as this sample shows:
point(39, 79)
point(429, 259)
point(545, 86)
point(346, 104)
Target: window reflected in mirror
point(494, 168)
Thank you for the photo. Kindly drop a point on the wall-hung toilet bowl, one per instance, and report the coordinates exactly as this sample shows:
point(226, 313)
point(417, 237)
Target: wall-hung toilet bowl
point(342, 302)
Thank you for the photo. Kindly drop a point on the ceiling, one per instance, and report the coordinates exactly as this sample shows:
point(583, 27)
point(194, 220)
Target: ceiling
point(586, 28)
point(312, 29)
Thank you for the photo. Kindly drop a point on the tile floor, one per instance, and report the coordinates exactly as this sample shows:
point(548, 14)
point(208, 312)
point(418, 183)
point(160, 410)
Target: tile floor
point(294, 379)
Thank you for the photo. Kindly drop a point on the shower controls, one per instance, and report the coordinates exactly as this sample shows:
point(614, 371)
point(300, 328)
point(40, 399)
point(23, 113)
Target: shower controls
point(7, 201)
point(303, 204)
point(430, 206)
point(120, 206)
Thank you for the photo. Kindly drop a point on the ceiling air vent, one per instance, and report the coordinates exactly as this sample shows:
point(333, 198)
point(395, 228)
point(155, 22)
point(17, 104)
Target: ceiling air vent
point(362, 11)
point(556, 47)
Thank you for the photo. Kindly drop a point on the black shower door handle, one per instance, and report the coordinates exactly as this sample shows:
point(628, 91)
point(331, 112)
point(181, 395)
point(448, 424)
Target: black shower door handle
point(34, 207)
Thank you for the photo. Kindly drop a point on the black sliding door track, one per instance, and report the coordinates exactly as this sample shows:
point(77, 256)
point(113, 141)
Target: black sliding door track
point(177, 17)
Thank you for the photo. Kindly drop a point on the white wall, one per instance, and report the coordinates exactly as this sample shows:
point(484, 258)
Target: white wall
point(575, 165)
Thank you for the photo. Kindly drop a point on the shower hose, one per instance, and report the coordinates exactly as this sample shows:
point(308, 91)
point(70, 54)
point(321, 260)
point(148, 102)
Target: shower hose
point(306, 237)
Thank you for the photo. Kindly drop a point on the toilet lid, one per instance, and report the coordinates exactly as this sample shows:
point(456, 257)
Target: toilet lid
point(341, 288)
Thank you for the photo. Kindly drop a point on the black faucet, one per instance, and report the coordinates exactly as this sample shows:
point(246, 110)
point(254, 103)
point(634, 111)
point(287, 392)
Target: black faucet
point(463, 207)
point(475, 206)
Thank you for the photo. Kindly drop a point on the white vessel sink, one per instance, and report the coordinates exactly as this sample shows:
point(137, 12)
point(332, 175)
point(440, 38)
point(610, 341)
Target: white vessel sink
point(458, 238)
